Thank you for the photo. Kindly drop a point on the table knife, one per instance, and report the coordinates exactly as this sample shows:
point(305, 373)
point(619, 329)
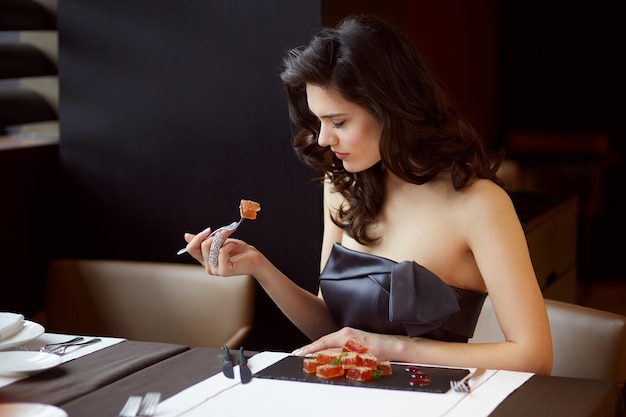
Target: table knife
point(244, 370)
point(227, 366)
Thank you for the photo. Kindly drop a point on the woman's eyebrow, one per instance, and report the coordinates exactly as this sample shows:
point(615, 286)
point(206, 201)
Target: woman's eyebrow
point(332, 116)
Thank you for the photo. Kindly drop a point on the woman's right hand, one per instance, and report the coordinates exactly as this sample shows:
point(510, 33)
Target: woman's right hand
point(222, 256)
point(194, 243)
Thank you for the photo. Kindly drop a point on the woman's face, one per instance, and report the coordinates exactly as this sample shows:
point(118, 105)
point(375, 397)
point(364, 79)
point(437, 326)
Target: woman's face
point(351, 132)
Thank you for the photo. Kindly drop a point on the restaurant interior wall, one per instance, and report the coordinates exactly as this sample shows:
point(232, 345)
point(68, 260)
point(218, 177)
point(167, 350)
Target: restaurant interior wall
point(28, 163)
point(172, 112)
point(527, 69)
point(559, 92)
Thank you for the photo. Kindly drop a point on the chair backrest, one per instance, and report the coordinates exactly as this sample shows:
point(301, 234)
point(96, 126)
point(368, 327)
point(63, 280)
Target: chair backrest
point(587, 343)
point(148, 301)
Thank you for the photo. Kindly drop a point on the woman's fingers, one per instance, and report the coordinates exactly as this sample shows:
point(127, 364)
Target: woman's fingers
point(332, 340)
point(195, 240)
point(211, 249)
point(188, 237)
point(325, 342)
point(194, 243)
point(214, 249)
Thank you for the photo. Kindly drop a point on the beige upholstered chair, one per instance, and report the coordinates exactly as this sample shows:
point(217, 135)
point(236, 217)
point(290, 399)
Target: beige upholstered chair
point(588, 343)
point(148, 301)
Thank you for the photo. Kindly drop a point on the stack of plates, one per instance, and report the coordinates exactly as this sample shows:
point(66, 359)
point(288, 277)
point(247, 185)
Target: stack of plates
point(30, 410)
point(25, 362)
point(30, 331)
point(13, 362)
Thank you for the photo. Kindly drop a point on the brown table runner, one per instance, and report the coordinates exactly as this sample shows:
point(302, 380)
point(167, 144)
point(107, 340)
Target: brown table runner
point(539, 396)
point(568, 397)
point(168, 377)
point(83, 375)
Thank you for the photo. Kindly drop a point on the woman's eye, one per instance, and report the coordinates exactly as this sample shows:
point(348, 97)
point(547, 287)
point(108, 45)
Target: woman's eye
point(338, 125)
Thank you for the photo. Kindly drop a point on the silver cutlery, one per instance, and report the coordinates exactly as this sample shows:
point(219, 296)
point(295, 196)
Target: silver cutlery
point(131, 407)
point(138, 406)
point(149, 404)
point(228, 227)
point(244, 370)
point(227, 366)
point(49, 347)
point(463, 385)
point(62, 349)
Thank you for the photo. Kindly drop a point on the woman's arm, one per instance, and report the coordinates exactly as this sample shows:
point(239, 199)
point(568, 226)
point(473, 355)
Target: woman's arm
point(311, 316)
point(498, 243)
point(307, 311)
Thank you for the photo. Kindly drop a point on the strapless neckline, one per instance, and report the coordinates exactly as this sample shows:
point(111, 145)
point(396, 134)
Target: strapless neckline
point(377, 294)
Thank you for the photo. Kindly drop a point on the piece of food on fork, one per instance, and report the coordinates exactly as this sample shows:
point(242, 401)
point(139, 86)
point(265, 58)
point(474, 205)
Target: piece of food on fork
point(249, 209)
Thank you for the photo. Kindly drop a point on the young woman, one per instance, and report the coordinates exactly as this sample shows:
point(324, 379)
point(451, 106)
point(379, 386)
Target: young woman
point(417, 227)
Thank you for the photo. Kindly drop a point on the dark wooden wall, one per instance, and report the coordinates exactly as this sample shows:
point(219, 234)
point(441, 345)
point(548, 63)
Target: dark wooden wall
point(533, 66)
point(28, 198)
point(458, 40)
point(171, 113)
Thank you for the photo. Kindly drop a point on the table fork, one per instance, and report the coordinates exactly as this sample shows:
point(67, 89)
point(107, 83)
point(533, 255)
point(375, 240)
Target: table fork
point(49, 347)
point(463, 385)
point(149, 404)
point(228, 227)
point(61, 350)
point(131, 408)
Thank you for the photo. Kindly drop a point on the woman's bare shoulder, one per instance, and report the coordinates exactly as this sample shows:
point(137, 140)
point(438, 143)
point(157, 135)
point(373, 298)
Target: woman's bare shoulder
point(483, 205)
point(484, 194)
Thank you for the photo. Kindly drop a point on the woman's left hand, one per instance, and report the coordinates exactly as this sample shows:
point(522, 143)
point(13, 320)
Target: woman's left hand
point(378, 344)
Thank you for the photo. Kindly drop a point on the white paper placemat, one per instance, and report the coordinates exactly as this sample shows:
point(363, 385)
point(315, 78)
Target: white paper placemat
point(46, 338)
point(225, 397)
point(485, 397)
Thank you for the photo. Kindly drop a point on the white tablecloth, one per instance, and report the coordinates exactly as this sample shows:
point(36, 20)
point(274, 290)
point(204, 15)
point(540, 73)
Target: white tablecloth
point(225, 397)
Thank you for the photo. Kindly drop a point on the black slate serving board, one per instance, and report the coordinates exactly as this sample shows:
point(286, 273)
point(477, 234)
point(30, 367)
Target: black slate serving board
point(290, 369)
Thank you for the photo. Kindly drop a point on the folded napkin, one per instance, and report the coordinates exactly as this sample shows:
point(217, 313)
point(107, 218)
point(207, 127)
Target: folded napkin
point(10, 324)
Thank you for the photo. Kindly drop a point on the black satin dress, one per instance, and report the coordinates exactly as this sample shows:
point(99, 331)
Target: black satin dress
point(379, 295)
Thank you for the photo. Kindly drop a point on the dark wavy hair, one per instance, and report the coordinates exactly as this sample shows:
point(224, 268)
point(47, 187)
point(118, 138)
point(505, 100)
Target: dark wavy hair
point(372, 64)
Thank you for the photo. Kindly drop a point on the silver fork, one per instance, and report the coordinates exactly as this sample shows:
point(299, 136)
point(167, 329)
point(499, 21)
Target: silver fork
point(228, 227)
point(149, 404)
point(61, 350)
point(48, 348)
point(131, 407)
point(463, 385)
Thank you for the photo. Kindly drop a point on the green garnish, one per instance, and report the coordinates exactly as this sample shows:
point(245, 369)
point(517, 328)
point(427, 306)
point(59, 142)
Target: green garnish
point(377, 374)
point(337, 360)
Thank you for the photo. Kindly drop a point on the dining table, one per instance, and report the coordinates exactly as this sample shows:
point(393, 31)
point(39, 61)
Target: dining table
point(98, 382)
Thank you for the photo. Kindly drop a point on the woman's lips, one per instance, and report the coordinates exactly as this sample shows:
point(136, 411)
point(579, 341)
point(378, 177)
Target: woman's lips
point(341, 155)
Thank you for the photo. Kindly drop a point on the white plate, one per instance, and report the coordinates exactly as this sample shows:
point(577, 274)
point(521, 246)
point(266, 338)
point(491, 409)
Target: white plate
point(30, 331)
point(30, 410)
point(12, 362)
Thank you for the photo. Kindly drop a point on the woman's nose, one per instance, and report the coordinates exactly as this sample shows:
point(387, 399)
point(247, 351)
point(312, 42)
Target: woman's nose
point(326, 137)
